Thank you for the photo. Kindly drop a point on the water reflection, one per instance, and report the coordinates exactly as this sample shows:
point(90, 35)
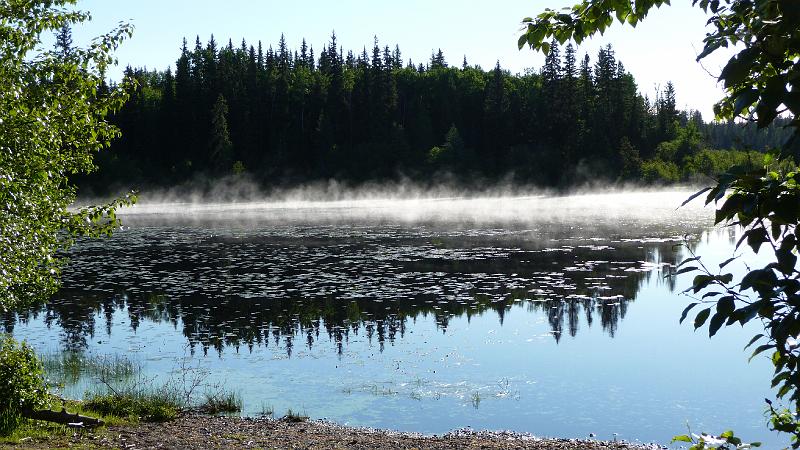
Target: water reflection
point(288, 285)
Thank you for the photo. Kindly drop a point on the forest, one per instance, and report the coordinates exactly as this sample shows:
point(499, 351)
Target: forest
point(286, 117)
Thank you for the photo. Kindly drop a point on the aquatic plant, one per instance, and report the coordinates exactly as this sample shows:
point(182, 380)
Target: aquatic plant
point(221, 402)
point(69, 366)
point(294, 416)
point(137, 403)
point(267, 410)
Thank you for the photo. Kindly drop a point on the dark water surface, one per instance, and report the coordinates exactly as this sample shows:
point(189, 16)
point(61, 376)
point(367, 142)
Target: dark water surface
point(542, 315)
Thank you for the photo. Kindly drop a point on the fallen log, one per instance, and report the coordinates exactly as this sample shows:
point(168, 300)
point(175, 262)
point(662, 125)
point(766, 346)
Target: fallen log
point(72, 420)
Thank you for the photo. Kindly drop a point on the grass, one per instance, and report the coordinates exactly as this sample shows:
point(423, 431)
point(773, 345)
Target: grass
point(137, 401)
point(36, 431)
point(292, 416)
point(149, 407)
point(68, 367)
point(267, 410)
point(41, 431)
point(221, 402)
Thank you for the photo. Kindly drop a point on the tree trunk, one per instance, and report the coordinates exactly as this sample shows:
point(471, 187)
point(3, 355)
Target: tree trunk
point(63, 417)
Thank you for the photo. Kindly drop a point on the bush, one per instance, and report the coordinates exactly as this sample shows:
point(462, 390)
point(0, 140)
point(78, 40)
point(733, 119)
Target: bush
point(22, 383)
point(655, 170)
point(714, 163)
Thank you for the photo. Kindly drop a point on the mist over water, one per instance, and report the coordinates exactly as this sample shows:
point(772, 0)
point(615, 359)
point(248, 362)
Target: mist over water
point(418, 311)
point(405, 203)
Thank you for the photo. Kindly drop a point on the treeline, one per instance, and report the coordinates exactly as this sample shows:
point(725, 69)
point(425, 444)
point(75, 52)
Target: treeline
point(288, 116)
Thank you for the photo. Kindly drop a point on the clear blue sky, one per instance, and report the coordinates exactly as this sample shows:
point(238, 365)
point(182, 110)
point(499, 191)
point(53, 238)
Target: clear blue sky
point(660, 49)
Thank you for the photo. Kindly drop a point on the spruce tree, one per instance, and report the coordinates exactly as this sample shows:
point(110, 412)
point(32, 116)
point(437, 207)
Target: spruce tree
point(551, 71)
point(667, 113)
point(438, 61)
point(220, 146)
point(397, 58)
point(63, 43)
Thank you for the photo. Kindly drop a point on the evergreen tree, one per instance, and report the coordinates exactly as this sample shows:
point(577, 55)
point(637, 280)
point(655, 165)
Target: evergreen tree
point(570, 69)
point(397, 58)
point(358, 117)
point(495, 121)
point(220, 146)
point(438, 61)
point(667, 113)
point(551, 71)
point(63, 43)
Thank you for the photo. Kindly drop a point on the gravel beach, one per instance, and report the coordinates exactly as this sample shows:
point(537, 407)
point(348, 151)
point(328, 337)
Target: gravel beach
point(204, 432)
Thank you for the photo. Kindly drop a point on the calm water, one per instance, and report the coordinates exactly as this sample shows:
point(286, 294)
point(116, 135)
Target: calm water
point(542, 315)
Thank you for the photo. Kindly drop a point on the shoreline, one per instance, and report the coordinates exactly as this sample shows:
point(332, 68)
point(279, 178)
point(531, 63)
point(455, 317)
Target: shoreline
point(196, 431)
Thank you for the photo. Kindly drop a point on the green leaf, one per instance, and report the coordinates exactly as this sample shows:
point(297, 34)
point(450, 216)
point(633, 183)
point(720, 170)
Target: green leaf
point(681, 438)
point(715, 324)
point(756, 237)
point(753, 340)
point(760, 349)
point(700, 282)
point(783, 376)
point(743, 100)
point(701, 317)
point(726, 305)
point(522, 40)
point(738, 67)
point(688, 260)
point(695, 195)
point(686, 311)
point(683, 270)
point(727, 261)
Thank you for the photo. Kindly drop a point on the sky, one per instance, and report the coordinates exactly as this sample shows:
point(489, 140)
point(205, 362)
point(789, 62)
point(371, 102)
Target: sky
point(662, 48)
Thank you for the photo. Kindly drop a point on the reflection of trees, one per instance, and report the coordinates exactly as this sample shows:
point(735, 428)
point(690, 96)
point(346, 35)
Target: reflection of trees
point(567, 285)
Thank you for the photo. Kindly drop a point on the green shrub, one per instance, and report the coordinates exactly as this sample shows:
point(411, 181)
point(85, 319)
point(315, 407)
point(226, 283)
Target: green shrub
point(655, 170)
point(22, 383)
point(716, 162)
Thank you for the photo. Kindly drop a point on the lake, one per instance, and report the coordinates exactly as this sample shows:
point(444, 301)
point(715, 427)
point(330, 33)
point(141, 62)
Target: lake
point(548, 315)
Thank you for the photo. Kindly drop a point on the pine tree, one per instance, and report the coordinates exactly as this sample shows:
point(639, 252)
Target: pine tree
point(551, 71)
point(438, 61)
point(364, 116)
point(388, 61)
point(570, 70)
point(397, 58)
point(283, 56)
point(377, 64)
point(63, 43)
point(495, 120)
point(586, 83)
point(220, 146)
point(304, 54)
point(667, 113)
